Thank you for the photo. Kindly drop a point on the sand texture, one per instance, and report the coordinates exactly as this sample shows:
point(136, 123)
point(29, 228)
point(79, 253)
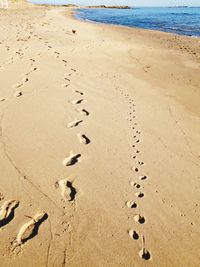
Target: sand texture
point(99, 143)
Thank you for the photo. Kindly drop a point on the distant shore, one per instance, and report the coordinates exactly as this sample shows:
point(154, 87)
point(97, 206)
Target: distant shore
point(113, 7)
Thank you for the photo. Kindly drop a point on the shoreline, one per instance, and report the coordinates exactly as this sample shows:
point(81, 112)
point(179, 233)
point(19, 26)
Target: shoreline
point(120, 25)
point(134, 27)
point(99, 143)
point(153, 33)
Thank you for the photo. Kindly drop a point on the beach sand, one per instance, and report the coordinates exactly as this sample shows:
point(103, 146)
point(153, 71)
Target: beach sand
point(99, 143)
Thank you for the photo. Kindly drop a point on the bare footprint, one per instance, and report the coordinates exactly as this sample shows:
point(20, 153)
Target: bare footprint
point(30, 229)
point(68, 192)
point(83, 112)
point(7, 211)
point(71, 160)
point(74, 123)
point(133, 234)
point(83, 139)
point(139, 219)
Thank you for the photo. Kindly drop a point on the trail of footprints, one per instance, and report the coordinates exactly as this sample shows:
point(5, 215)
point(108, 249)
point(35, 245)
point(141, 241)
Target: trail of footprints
point(7, 210)
point(18, 86)
point(68, 192)
point(30, 229)
point(132, 204)
point(74, 158)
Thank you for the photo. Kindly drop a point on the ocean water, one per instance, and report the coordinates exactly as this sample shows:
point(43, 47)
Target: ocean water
point(179, 20)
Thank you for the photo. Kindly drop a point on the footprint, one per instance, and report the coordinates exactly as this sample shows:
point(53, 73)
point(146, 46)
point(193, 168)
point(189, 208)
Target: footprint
point(136, 169)
point(139, 219)
point(17, 85)
point(77, 101)
point(30, 229)
point(64, 85)
point(33, 69)
point(144, 177)
point(83, 112)
point(145, 254)
point(131, 204)
point(25, 80)
point(17, 94)
point(71, 160)
point(7, 211)
point(74, 123)
point(83, 139)
point(133, 234)
point(68, 192)
point(139, 194)
point(78, 92)
point(135, 184)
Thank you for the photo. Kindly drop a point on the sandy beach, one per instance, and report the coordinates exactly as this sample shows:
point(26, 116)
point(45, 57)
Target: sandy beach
point(99, 143)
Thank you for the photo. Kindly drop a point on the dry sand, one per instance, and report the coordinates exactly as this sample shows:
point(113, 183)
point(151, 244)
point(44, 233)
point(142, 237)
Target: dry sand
point(99, 144)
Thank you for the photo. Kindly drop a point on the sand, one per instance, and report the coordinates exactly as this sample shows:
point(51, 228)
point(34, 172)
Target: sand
point(99, 143)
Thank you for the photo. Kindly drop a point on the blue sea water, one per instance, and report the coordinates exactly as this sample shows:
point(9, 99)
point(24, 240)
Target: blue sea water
point(179, 20)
